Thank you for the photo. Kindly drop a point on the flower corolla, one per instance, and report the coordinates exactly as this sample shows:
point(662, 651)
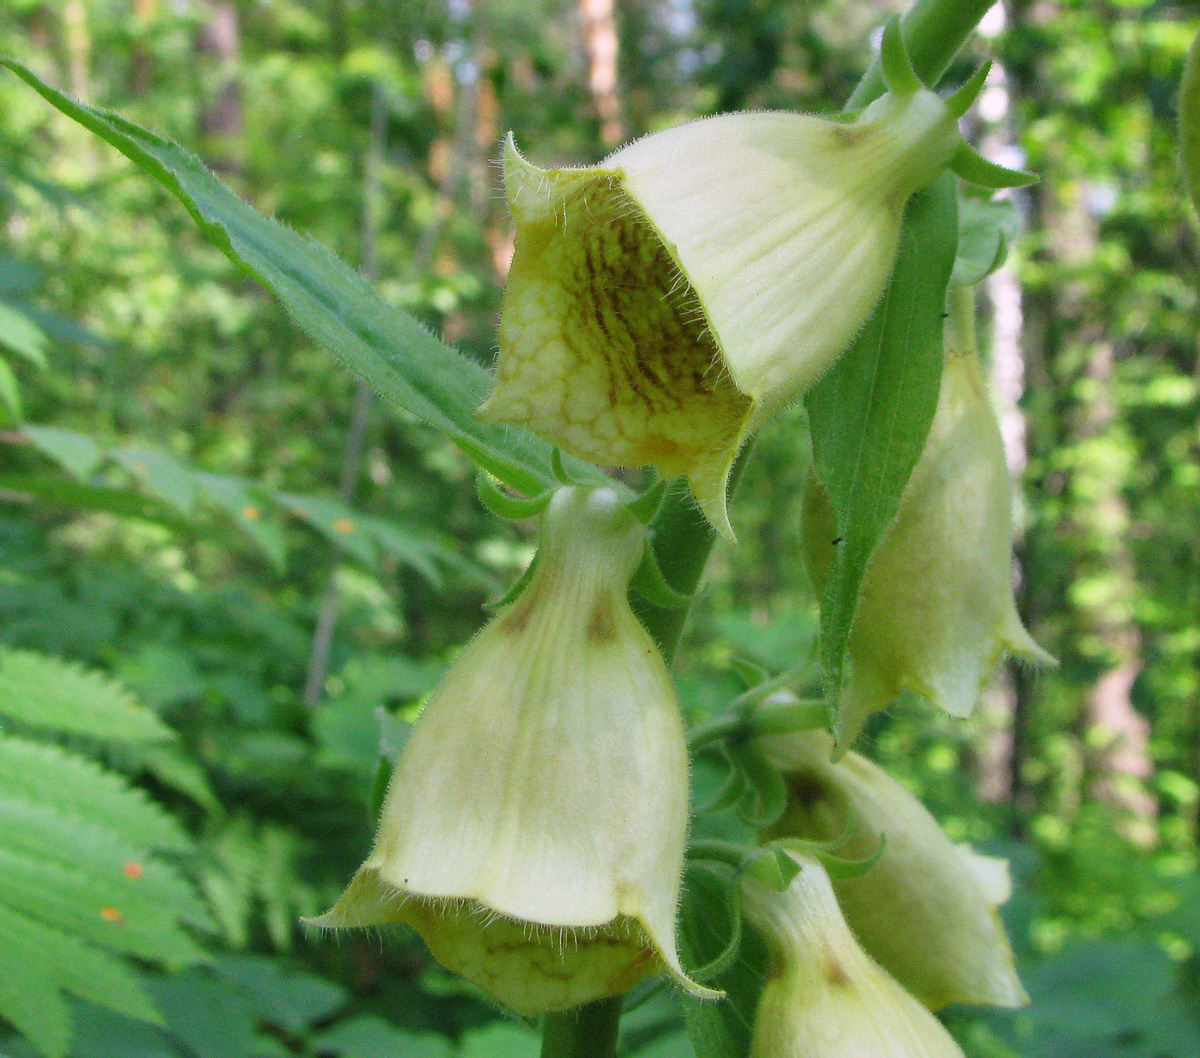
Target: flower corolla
point(926, 910)
point(825, 997)
point(662, 304)
point(936, 612)
point(533, 832)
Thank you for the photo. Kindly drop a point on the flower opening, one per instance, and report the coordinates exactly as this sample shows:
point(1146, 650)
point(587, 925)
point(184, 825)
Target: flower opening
point(533, 832)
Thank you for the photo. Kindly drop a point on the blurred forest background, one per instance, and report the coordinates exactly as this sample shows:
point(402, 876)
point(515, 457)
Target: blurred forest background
point(211, 533)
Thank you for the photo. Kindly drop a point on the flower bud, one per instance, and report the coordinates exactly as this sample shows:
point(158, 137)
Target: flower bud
point(533, 832)
point(662, 304)
point(936, 611)
point(825, 997)
point(926, 910)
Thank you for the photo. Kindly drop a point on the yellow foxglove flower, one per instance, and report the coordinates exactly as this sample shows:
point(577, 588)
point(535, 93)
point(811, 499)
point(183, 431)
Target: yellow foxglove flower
point(926, 911)
point(825, 997)
point(936, 612)
point(662, 304)
point(534, 829)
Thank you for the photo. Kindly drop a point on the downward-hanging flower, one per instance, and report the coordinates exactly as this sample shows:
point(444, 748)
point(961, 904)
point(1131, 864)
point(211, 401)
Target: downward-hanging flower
point(936, 612)
point(825, 997)
point(926, 910)
point(664, 303)
point(533, 832)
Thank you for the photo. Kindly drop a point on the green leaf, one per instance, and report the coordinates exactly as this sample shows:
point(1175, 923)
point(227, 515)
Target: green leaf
point(286, 999)
point(332, 303)
point(985, 230)
point(83, 790)
point(369, 1036)
point(246, 505)
point(20, 335)
point(722, 1029)
point(56, 695)
point(105, 858)
point(409, 548)
point(1189, 123)
point(30, 1001)
point(124, 503)
point(174, 769)
point(162, 474)
point(870, 414)
point(10, 391)
point(340, 524)
point(117, 917)
point(75, 452)
point(67, 964)
point(210, 1017)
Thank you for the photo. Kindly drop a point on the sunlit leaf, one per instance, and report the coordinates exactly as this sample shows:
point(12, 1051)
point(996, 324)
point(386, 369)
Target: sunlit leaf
point(870, 414)
point(331, 302)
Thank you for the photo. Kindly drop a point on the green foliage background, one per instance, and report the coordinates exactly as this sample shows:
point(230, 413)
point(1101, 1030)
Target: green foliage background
point(170, 515)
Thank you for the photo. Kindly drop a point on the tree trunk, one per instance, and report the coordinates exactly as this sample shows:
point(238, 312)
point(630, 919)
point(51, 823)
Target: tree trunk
point(600, 42)
point(218, 44)
point(1081, 432)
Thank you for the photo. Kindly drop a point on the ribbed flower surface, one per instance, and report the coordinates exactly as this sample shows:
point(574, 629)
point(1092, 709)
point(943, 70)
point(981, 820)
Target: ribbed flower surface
point(825, 997)
point(927, 910)
point(662, 304)
point(936, 613)
point(534, 829)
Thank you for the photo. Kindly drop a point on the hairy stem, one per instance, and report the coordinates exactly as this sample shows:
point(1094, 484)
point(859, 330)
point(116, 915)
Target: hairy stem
point(934, 30)
point(589, 1031)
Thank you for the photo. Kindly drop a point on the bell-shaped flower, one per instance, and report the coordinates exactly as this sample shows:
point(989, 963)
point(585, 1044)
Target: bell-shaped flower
point(533, 832)
point(825, 997)
point(662, 304)
point(936, 611)
point(926, 910)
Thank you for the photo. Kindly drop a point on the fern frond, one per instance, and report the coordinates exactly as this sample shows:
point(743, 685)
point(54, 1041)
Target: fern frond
point(51, 694)
point(66, 964)
point(81, 789)
point(97, 853)
point(116, 916)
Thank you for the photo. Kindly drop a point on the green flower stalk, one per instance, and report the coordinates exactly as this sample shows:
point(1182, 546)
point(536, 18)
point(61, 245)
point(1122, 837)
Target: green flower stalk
point(936, 613)
point(663, 304)
point(825, 997)
point(926, 911)
point(533, 832)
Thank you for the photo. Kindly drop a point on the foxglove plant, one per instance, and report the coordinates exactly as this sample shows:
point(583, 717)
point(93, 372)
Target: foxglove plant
point(663, 304)
point(661, 307)
point(533, 832)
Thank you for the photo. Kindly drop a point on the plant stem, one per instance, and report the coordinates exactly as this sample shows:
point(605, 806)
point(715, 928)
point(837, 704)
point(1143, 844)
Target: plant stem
point(934, 30)
point(589, 1031)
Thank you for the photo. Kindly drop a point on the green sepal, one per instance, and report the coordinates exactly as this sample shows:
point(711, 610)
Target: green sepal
point(960, 102)
point(518, 586)
point(841, 868)
point(772, 866)
point(751, 673)
point(732, 906)
point(512, 508)
point(645, 507)
point(767, 789)
point(898, 72)
point(649, 582)
point(732, 790)
point(973, 167)
point(379, 787)
point(559, 470)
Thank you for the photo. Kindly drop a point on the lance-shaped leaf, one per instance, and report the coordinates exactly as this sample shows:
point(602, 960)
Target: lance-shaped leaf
point(870, 414)
point(331, 302)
